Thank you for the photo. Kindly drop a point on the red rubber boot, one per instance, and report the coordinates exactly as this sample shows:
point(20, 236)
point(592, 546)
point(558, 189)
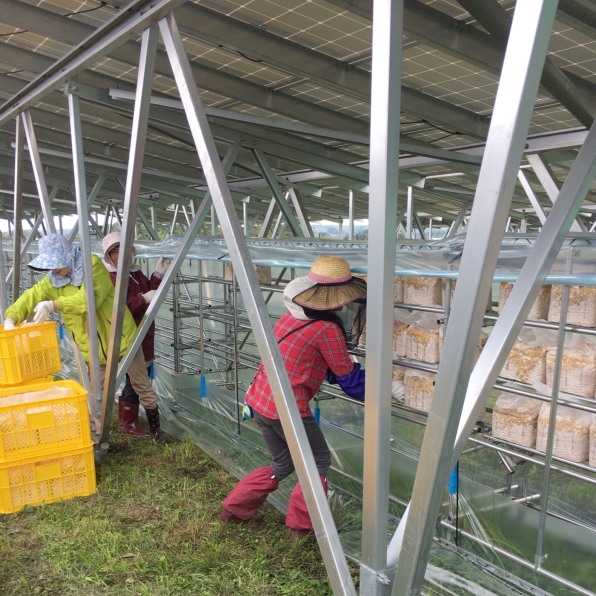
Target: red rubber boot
point(297, 517)
point(248, 495)
point(120, 414)
point(130, 421)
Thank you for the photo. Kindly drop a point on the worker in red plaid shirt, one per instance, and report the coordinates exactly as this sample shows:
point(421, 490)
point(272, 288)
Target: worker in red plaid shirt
point(312, 341)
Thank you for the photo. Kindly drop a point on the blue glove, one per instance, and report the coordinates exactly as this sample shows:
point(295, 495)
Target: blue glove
point(330, 377)
point(353, 384)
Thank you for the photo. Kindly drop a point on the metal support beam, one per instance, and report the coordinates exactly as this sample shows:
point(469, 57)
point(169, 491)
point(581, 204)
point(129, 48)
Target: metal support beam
point(276, 190)
point(526, 51)
point(526, 288)
point(419, 224)
point(301, 212)
point(518, 305)
point(409, 213)
point(494, 18)
point(351, 215)
point(3, 292)
point(82, 211)
point(418, 149)
point(245, 215)
point(205, 207)
point(213, 221)
point(186, 216)
point(174, 219)
point(42, 189)
point(149, 225)
point(138, 15)
point(277, 226)
point(18, 213)
point(92, 196)
point(547, 179)
point(131, 199)
point(329, 543)
point(384, 153)
point(523, 179)
point(267, 219)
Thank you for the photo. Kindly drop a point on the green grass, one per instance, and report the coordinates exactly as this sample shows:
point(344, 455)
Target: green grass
point(152, 528)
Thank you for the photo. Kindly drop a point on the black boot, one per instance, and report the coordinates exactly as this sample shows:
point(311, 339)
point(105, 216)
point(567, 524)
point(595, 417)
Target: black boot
point(129, 395)
point(153, 419)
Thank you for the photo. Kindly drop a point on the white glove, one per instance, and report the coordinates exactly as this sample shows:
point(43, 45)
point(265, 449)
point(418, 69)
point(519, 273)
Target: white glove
point(8, 325)
point(43, 310)
point(397, 390)
point(148, 296)
point(162, 265)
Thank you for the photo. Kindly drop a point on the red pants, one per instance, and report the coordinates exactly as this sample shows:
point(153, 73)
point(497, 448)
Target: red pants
point(252, 491)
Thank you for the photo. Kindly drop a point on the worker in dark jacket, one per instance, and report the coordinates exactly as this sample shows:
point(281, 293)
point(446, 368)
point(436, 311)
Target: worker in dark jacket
point(140, 292)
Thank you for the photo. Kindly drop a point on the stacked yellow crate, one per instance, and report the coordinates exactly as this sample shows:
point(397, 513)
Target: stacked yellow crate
point(46, 452)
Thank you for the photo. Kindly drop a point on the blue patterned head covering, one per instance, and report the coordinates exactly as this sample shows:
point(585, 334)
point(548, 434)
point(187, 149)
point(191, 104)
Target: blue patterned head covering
point(56, 252)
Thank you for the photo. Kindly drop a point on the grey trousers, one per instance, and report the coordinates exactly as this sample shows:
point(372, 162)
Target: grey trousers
point(282, 464)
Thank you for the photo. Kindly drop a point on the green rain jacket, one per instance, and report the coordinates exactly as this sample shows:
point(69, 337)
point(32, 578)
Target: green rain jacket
point(72, 304)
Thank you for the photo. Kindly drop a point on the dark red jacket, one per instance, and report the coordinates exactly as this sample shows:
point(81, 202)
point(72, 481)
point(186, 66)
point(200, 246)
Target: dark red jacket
point(138, 284)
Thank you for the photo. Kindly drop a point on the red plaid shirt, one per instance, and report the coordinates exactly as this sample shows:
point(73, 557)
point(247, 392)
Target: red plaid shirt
point(308, 354)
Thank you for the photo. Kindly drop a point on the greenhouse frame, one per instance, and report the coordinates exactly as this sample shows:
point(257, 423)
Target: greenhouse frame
point(220, 134)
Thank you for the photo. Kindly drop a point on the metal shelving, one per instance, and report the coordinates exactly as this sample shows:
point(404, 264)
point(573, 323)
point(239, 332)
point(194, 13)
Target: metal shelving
point(225, 335)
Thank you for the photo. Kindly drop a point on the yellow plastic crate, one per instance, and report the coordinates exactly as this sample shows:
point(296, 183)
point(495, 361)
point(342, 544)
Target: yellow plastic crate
point(21, 386)
point(28, 352)
point(42, 418)
point(46, 479)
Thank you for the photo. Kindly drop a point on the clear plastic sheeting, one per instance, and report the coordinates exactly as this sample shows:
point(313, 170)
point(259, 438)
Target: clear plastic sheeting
point(510, 528)
point(487, 533)
point(574, 264)
point(69, 369)
point(486, 540)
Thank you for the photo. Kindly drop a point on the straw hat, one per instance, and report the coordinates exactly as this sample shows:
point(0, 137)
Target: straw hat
point(334, 285)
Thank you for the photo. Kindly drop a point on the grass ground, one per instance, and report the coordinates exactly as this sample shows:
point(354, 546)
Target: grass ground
point(152, 528)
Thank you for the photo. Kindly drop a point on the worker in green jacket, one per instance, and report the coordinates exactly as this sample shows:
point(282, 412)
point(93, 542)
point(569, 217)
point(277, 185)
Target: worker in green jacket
point(62, 290)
